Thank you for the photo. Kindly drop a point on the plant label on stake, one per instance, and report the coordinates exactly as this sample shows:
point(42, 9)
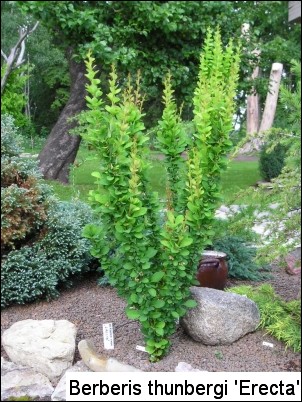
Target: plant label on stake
point(141, 348)
point(108, 336)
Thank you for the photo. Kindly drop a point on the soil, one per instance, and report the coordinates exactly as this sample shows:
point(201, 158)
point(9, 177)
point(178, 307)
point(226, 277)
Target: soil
point(88, 306)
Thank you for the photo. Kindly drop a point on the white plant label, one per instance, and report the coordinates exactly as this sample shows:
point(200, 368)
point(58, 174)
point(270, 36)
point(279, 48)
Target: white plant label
point(271, 345)
point(141, 348)
point(108, 336)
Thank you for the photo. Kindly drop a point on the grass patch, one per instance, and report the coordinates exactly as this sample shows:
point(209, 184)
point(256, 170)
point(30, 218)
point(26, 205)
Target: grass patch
point(238, 176)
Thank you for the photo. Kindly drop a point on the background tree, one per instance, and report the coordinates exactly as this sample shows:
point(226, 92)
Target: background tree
point(155, 36)
point(281, 204)
point(45, 70)
point(275, 41)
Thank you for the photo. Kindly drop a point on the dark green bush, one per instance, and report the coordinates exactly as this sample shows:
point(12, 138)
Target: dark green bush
point(27, 275)
point(240, 258)
point(271, 162)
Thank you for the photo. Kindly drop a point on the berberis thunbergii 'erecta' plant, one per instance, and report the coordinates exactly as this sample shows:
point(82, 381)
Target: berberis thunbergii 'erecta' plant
point(153, 264)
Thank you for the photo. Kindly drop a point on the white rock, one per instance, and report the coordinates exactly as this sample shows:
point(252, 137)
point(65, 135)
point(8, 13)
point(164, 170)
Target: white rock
point(221, 215)
point(224, 208)
point(183, 366)
point(47, 346)
point(60, 391)
point(17, 381)
point(261, 229)
point(260, 215)
point(100, 363)
point(235, 209)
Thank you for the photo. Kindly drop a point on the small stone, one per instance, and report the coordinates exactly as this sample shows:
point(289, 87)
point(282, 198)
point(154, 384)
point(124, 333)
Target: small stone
point(183, 366)
point(99, 363)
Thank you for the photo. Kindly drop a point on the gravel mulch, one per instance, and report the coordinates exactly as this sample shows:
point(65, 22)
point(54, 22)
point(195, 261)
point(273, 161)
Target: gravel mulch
point(88, 306)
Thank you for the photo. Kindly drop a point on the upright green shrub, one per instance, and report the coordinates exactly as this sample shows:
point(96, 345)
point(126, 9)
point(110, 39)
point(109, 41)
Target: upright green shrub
point(153, 265)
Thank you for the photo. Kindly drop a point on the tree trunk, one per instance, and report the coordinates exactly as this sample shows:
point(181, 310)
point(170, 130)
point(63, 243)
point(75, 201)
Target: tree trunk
point(253, 108)
point(61, 148)
point(256, 141)
point(271, 98)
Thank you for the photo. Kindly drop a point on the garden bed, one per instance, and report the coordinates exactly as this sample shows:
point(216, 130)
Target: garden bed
point(88, 306)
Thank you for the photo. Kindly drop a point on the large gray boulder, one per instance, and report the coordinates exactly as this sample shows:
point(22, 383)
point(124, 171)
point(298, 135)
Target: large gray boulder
point(220, 318)
point(47, 346)
point(18, 381)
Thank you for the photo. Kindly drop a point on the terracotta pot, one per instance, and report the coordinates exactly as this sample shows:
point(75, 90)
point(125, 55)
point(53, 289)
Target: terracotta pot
point(212, 270)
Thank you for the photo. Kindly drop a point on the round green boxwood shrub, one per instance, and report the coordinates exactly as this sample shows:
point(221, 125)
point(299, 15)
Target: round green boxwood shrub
point(271, 161)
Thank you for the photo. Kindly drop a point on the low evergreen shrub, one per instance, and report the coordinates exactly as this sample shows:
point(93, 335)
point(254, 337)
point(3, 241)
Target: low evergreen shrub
point(240, 258)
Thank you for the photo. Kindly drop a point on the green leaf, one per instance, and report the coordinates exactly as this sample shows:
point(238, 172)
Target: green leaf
point(166, 243)
point(170, 217)
point(140, 212)
point(150, 349)
point(152, 292)
point(133, 297)
point(157, 276)
point(96, 174)
point(190, 303)
point(179, 219)
point(155, 314)
point(159, 331)
point(132, 314)
point(186, 242)
point(158, 303)
point(151, 252)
